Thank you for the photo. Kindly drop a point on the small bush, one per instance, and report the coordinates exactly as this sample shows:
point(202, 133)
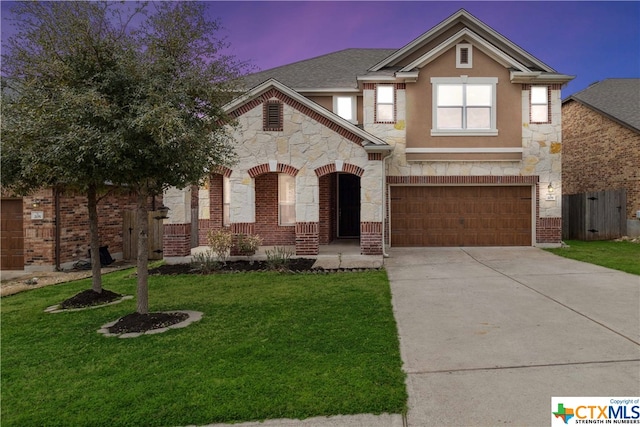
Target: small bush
point(248, 244)
point(205, 262)
point(278, 258)
point(220, 242)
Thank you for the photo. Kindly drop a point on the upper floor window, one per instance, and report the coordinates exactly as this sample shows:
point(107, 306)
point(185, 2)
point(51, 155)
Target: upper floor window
point(464, 106)
point(272, 116)
point(286, 199)
point(385, 103)
point(540, 104)
point(464, 55)
point(345, 107)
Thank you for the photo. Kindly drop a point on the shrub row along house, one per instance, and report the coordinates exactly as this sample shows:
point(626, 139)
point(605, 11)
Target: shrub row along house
point(452, 140)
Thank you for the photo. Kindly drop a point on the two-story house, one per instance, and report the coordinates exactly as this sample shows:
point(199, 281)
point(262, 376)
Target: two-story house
point(452, 140)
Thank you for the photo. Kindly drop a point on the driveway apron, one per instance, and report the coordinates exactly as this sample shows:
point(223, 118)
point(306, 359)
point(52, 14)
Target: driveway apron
point(489, 335)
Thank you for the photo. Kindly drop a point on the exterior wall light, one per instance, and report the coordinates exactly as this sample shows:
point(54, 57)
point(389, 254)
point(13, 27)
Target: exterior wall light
point(550, 193)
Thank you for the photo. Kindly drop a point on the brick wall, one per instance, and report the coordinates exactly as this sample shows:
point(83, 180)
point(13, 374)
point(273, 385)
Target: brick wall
point(327, 206)
point(599, 154)
point(176, 240)
point(266, 225)
point(74, 225)
point(307, 242)
point(371, 238)
point(549, 230)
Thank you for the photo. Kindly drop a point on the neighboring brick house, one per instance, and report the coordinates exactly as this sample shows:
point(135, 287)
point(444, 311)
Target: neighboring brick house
point(452, 140)
point(601, 134)
point(49, 229)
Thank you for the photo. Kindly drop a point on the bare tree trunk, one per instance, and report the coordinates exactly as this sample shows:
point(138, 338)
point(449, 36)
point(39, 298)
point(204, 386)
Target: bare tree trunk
point(143, 254)
point(94, 236)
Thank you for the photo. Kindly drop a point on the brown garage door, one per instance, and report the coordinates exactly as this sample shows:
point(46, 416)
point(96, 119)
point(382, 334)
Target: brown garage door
point(461, 216)
point(11, 235)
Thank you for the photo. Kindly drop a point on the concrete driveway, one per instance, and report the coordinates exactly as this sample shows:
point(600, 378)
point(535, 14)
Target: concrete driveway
point(489, 335)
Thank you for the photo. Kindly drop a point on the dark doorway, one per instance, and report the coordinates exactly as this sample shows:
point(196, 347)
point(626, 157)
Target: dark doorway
point(348, 205)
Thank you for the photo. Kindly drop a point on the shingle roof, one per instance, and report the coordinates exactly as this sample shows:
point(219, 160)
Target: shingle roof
point(617, 98)
point(330, 71)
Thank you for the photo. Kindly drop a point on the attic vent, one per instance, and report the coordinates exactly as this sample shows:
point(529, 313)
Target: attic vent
point(464, 55)
point(272, 116)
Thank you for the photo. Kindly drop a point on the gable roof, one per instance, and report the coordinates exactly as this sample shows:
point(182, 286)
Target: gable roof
point(337, 70)
point(271, 87)
point(345, 70)
point(618, 99)
point(525, 68)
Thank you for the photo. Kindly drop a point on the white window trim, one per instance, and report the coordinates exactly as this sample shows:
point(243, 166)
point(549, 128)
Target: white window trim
point(354, 103)
point(493, 81)
point(546, 104)
point(226, 201)
point(459, 48)
point(282, 203)
point(392, 103)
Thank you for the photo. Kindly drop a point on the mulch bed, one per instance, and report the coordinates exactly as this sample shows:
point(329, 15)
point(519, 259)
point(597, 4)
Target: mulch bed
point(294, 265)
point(90, 298)
point(136, 322)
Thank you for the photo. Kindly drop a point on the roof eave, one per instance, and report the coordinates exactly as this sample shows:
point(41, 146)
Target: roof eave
point(539, 77)
point(263, 87)
point(441, 27)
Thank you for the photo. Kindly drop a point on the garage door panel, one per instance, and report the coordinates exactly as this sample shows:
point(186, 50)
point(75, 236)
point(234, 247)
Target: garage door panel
point(461, 216)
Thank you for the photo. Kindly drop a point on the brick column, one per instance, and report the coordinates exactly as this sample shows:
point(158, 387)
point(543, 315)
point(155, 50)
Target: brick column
point(176, 240)
point(307, 238)
point(549, 230)
point(371, 238)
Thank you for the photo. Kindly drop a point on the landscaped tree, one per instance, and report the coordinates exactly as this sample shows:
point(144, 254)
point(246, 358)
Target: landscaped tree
point(154, 95)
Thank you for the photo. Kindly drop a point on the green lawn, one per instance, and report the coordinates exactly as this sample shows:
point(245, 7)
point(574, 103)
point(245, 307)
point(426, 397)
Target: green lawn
point(269, 346)
point(624, 256)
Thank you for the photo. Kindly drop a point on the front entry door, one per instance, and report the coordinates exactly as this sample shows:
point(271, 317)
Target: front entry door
point(348, 205)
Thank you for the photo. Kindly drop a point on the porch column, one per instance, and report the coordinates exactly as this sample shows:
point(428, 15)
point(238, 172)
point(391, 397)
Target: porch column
point(176, 241)
point(307, 238)
point(371, 198)
point(307, 213)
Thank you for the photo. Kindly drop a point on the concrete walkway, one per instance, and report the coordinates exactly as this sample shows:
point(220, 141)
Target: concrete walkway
point(489, 335)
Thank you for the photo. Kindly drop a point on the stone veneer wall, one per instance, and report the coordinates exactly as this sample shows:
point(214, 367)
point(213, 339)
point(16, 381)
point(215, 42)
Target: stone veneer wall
point(541, 158)
point(600, 154)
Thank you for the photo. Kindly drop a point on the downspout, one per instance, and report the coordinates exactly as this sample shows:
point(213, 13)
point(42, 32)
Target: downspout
point(384, 198)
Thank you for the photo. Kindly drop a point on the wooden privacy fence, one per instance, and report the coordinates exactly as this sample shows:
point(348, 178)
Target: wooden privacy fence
point(130, 235)
point(597, 215)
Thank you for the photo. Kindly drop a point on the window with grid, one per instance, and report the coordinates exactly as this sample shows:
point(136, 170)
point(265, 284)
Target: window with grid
point(385, 103)
point(539, 104)
point(464, 106)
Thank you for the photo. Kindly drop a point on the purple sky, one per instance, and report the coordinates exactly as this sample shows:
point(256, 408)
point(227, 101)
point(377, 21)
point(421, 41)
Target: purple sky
point(593, 40)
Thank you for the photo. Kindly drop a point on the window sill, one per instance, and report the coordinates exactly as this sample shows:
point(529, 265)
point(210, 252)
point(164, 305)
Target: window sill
point(456, 132)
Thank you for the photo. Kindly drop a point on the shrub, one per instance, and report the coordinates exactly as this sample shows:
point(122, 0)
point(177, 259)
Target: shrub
point(278, 258)
point(205, 262)
point(220, 242)
point(248, 244)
